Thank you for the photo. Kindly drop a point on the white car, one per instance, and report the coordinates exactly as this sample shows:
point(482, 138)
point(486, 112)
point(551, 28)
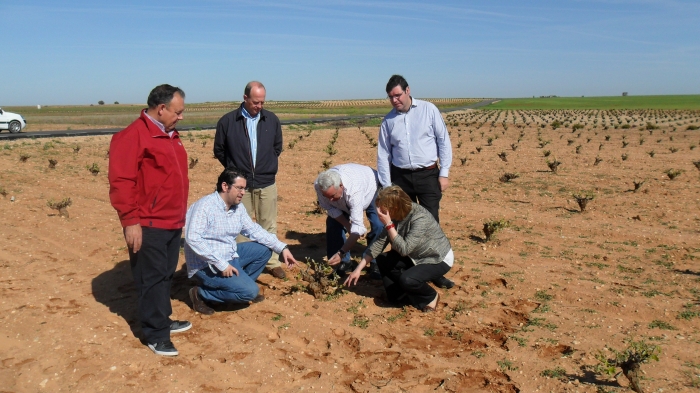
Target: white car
point(11, 121)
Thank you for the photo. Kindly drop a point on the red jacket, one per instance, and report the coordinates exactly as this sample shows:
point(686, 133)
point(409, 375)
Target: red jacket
point(148, 181)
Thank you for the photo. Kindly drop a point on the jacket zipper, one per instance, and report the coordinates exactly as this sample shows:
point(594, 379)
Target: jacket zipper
point(177, 160)
point(250, 152)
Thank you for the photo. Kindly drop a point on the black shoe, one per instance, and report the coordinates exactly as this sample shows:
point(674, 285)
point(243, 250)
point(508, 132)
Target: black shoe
point(442, 282)
point(374, 273)
point(260, 297)
point(164, 348)
point(198, 304)
point(346, 267)
point(180, 326)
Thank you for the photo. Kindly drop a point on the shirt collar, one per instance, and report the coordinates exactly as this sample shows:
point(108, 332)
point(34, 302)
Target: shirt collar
point(223, 204)
point(156, 122)
point(413, 105)
point(247, 115)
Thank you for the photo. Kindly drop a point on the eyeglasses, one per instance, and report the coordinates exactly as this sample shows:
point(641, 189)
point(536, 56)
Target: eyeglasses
point(239, 188)
point(395, 96)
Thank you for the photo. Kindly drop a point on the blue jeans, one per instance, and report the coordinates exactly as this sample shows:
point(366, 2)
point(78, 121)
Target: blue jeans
point(242, 288)
point(335, 231)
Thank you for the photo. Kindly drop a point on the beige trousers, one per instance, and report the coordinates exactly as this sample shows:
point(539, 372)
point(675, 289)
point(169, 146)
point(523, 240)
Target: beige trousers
point(261, 205)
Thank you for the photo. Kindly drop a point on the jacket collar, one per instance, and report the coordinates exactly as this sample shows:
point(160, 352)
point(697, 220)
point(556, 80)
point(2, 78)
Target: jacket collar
point(154, 130)
point(239, 113)
point(411, 213)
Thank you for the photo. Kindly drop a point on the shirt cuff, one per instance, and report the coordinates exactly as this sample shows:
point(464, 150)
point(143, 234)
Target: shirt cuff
point(221, 266)
point(357, 229)
point(444, 172)
point(279, 247)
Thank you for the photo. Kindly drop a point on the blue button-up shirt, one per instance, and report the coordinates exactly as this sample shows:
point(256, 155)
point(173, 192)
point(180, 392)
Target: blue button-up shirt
point(211, 231)
point(252, 124)
point(413, 140)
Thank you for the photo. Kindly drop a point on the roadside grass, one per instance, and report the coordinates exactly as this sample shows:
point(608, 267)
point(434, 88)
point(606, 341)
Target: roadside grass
point(208, 113)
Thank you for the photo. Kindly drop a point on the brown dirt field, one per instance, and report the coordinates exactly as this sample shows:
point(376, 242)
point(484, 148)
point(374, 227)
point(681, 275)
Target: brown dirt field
point(547, 292)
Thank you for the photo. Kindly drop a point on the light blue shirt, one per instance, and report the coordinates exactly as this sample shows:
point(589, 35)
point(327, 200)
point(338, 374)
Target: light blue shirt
point(413, 140)
point(252, 124)
point(211, 231)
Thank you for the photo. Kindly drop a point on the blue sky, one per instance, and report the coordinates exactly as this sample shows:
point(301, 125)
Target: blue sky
point(79, 52)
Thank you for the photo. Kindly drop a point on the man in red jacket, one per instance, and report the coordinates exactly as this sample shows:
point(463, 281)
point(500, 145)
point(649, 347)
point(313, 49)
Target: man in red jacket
point(148, 186)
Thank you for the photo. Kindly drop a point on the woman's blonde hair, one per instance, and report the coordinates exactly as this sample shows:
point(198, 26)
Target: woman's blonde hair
point(395, 200)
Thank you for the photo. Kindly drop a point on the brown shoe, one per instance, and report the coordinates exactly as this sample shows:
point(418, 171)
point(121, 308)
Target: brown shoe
point(260, 297)
point(198, 304)
point(277, 272)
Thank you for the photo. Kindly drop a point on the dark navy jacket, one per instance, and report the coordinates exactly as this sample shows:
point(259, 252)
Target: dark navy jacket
point(232, 146)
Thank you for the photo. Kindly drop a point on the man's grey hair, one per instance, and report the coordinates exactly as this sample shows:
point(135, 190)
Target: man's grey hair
point(328, 179)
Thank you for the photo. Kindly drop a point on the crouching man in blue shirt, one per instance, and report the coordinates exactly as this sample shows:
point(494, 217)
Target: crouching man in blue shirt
point(227, 270)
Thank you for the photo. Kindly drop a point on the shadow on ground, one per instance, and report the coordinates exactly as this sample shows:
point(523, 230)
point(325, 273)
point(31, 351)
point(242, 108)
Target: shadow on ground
point(115, 289)
point(687, 271)
point(312, 245)
point(591, 377)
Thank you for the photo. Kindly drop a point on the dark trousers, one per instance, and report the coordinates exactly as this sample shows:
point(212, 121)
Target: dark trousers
point(153, 268)
point(422, 187)
point(401, 277)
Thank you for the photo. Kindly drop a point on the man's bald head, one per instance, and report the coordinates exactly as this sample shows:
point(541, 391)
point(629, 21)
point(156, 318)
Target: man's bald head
point(254, 97)
point(250, 86)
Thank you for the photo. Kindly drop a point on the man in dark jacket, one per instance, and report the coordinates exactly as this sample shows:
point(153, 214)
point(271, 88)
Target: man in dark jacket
point(148, 188)
point(250, 139)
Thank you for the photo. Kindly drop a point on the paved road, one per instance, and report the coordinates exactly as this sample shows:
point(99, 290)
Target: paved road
point(110, 131)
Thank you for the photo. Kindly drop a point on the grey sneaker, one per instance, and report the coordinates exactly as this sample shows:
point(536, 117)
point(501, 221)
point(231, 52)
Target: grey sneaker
point(180, 326)
point(164, 348)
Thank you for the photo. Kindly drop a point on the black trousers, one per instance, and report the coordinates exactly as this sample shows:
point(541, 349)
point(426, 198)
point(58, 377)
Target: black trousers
point(153, 268)
point(422, 186)
point(401, 277)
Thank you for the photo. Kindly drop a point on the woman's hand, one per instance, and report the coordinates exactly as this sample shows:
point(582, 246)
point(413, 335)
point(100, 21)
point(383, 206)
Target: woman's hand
point(353, 277)
point(384, 216)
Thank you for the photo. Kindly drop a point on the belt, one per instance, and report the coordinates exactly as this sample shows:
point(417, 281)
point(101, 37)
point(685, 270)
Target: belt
point(427, 168)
